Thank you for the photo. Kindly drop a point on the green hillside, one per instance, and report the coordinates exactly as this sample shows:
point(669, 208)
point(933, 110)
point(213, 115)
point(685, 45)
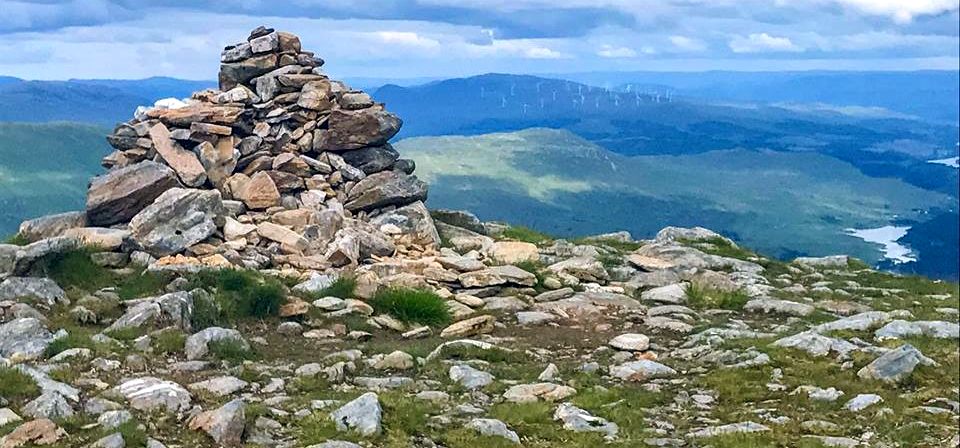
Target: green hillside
point(782, 203)
point(44, 168)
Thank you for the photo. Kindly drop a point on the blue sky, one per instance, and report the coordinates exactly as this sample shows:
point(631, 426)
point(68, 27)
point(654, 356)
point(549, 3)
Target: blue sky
point(442, 38)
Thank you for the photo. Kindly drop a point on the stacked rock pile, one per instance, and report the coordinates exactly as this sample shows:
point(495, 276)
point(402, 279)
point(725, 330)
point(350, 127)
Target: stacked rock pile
point(281, 166)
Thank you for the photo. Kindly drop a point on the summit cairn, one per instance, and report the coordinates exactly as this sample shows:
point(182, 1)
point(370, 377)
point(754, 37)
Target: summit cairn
point(257, 267)
point(281, 166)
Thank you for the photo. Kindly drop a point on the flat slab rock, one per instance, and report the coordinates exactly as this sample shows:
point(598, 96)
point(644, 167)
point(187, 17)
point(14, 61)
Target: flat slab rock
point(641, 370)
point(525, 393)
point(155, 394)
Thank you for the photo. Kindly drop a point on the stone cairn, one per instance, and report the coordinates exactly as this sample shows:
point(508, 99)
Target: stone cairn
point(281, 167)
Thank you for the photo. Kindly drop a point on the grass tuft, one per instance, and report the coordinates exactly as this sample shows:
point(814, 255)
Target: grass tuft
point(720, 247)
point(526, 234)
point(169, 341)
point(71, 340)
point(236, 294)
point(230, 350)
point(342, 287)
point(708, 298)
point(17, 240)
point(412, 305)
point(16, 385)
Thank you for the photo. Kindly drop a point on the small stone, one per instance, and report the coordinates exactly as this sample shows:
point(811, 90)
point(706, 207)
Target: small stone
point(494, 428)
point(633, 342)
point(862, 401)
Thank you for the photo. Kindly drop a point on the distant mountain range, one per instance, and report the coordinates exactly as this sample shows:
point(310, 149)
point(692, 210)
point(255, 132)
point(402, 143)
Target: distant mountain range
point(645, 123)
point(101, 101)
point(930, 94)
point(784, 204)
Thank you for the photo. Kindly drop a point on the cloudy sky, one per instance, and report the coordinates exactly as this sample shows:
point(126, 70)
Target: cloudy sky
point(441, 38)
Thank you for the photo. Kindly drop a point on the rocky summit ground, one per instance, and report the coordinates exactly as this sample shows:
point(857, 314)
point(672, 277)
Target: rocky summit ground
point(257, 268)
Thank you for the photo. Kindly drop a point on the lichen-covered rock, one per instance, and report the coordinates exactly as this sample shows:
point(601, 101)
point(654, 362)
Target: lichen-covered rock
point(895, 365)
point(24, 338)
point(362, 415)
point(177, 219)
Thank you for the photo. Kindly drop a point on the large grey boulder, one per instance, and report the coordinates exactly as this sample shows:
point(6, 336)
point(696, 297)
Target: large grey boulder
point(224, 425)
point(384, 189)
point(24, 339)
point(50, 405)
point(469, 377)
point(197, 345)
point(355, 129)
point(41, 290)
point(362, 415)
point(153, 394)
point(673, 294)
point(899, 329)
point(51, 225)
point(176, 220)
point(24, 257)
point(174, 309)
point(815, 344)
point(118, 195)
point(895, 365)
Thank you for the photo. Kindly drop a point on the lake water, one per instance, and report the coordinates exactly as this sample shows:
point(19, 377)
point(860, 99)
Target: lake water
point(887, 236)
point(949, 161)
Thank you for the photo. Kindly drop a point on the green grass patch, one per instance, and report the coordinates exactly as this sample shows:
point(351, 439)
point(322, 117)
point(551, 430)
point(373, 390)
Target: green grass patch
point(615, 244)
point(230, 350)
point(71, 340)
point(236, 294)
point(169, 341)
point(16, 385)
point(342, 287)
point(526, 234)
point(126, 334)
point(699, 297)
point(17, 240)
point(610, 260)
point(403, 418)
point(412, 305)
point(720, 247)
point(75, 269)
point(144, 284)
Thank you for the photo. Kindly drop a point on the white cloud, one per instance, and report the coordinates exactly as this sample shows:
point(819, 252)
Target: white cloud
point(524, 48)
point(407, 38)
point(902, 11)
point(684, 43)
point(610, 51)
point(762, 43)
